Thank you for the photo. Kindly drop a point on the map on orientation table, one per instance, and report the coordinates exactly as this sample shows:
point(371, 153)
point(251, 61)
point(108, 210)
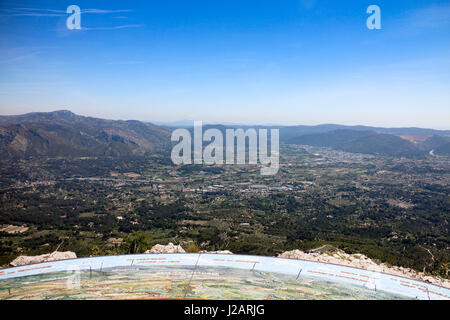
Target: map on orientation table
point(205, 276)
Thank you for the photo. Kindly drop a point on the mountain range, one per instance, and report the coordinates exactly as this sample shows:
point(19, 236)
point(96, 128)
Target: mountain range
point(63, 133)
point(373, 142)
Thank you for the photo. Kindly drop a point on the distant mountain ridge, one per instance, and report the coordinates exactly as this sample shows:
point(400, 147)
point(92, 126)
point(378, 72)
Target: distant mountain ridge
point(295, 131)
point(63, 133)
point(371, 142)
point(396, 142)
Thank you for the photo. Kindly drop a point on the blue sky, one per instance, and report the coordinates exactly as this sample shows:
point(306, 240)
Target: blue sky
point(254, 62)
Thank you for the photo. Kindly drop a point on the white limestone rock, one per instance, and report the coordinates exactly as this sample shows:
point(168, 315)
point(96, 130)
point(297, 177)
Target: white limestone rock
point(170, 248)
point(54, 256)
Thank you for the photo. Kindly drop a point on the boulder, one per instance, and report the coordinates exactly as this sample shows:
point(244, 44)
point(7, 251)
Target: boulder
point(170, 248)
point(54, 256)
point(361, 261)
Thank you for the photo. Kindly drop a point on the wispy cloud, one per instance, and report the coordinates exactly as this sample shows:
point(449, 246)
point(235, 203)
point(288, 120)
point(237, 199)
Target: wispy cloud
point(18, 58)
point(126, 26)
point(100, 11)
point(40, 12)
point(31, 12)
point(43, 12)
point(429, 17)
point(35, 9)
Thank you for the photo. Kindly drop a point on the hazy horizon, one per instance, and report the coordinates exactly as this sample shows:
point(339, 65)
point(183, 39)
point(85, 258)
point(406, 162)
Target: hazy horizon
point(183, 122)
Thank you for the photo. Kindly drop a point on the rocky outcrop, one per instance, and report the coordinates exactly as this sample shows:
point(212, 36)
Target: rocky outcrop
point(170, 248)
point(54, 256)
point(14, 229)
point(361, 261)
point(217, 252)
